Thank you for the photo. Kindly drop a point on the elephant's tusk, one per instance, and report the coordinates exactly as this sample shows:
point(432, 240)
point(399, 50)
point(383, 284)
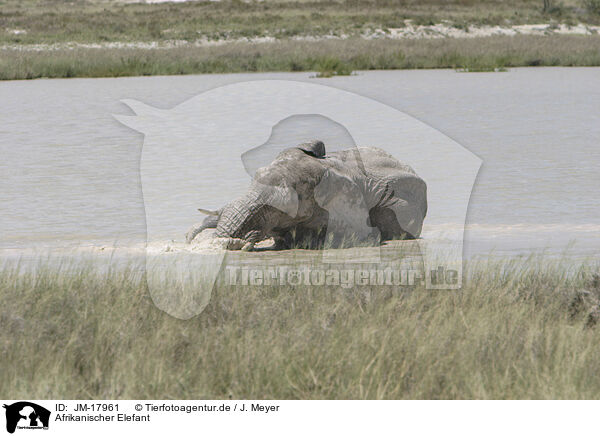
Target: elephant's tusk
point(209, 212)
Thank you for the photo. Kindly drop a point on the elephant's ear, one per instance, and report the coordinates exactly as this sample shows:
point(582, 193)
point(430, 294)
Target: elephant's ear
point(344, 200)
point(282, 197)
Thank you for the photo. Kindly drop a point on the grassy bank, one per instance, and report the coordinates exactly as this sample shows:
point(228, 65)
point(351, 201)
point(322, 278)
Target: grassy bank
point(48, 21)
point(323, 56)
point(518, 329)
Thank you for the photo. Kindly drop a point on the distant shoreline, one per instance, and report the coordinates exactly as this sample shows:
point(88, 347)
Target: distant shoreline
point(101, 38)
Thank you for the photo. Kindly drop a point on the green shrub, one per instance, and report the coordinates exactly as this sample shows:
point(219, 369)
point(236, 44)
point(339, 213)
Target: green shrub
point(593, 6)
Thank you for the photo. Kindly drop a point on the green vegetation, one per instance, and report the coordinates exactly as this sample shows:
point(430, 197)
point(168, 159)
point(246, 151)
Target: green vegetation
point(50, 21)
point(517, 329)
point(592, 6)
point(326, 57)
point(332, 66)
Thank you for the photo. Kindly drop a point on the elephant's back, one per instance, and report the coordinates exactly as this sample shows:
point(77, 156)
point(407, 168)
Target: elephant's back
point(374, 161)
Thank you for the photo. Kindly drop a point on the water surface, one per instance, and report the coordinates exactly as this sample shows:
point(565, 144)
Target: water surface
point(70, 171)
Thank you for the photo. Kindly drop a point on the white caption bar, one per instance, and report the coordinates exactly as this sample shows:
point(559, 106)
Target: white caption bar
point(298, 417)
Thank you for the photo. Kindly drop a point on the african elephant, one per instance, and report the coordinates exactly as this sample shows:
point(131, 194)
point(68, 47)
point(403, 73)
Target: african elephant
point(362, 195)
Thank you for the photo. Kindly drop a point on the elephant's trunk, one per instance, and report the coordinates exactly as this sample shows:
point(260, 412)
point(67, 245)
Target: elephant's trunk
point(242, 216)
point(210, 222)
point(253, 216)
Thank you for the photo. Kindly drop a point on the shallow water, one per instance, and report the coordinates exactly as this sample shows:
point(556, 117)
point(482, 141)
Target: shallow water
point(70, 170)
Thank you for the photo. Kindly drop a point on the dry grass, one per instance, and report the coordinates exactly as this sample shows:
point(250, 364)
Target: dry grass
point(349, 55)
point(518, 329)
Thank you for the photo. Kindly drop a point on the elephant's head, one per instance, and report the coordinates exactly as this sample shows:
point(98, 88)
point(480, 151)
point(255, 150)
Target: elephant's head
point(279, 197)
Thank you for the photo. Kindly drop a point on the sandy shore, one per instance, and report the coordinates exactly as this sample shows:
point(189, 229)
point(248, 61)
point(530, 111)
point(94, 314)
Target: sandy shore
point(409, 31)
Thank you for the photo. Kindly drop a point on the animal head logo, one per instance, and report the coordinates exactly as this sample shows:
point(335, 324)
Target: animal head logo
point(204, 152)
point(27, 415)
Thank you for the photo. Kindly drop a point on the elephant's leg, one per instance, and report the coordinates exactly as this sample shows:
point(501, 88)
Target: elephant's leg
point(251, 238)
point(385, 220)
point(304, 237)
point(210, 222)
point(280, 243)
